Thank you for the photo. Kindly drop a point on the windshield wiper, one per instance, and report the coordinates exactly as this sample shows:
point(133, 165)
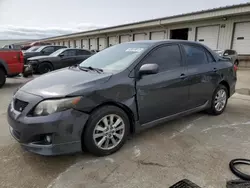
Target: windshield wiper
point(91, 68)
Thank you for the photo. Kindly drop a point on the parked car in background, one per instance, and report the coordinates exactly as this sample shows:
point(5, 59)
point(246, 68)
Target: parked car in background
point(120, 90)
point(94, 51)
point(59, 59)
point(11, 64)
point(41, 51)
point(26, 47)
point(232, 54)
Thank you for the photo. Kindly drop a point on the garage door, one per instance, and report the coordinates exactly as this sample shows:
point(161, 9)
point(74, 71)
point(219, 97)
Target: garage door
point(61, 43)
point(112, 41)
point(124, 38)
point(93, 44)
point(65, 43)
point(78, 43)
point(140, 36)
point(209, 36)
point(71, 44)
point(241, 40)
point(85, 43)
point(159, 35)
point(102, 43)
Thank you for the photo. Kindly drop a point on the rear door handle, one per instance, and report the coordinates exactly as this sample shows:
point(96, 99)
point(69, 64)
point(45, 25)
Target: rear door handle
point(182, 76)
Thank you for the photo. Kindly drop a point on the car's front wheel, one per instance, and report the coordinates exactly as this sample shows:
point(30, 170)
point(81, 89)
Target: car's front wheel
point(44, 68)
point(106, 130)
point(219, 100)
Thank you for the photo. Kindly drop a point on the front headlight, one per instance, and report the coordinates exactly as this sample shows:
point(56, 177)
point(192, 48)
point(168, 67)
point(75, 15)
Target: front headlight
point(52, 106)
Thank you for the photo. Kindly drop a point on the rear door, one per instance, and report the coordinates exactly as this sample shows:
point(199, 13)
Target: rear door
point(165, 93)
point(202, 74)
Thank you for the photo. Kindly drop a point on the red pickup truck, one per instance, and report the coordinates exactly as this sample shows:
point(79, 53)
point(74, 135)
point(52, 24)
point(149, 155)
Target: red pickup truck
point(11, 63)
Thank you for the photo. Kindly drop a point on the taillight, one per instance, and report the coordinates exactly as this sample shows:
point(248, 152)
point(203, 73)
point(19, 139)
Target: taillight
point(235, 68)
point(20, 57)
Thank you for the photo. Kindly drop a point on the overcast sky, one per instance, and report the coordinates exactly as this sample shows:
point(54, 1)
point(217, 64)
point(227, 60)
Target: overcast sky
point(45, 18)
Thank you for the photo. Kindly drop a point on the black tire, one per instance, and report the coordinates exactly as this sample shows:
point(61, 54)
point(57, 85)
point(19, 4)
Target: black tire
point(2, 77)
point(44, 68)
point(95, 117)
point(212, 110)
point(12, 75)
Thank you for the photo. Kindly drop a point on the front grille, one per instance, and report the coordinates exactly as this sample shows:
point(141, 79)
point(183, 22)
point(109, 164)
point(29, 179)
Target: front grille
point(20, 105)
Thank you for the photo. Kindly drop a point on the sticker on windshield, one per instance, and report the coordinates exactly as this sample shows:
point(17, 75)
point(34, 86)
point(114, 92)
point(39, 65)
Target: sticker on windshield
point(134, 49)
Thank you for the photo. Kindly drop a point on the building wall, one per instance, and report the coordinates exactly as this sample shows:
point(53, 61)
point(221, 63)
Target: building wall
point(226, 29)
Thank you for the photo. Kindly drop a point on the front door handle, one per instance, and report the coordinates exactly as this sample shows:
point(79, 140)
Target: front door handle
point(182, 76)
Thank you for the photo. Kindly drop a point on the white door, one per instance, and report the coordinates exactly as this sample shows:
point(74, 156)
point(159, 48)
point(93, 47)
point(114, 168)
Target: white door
point(93, 44)
point(112, 41)
point(124, 38)
point(158, 35)
point(208, 35)
point(241, 40)
point(71, 44)
point(140, 36)
point(102, 43)
point(78, 43)
point(85, 43)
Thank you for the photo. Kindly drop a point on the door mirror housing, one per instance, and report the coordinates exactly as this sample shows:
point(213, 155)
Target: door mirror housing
point(61, 55)
point(147, 69)
point(225, 54)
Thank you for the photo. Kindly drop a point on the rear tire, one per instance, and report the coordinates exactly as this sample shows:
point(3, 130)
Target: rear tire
point(219, 100)
point(44, 68)
point(106, 131)
point(2, 77)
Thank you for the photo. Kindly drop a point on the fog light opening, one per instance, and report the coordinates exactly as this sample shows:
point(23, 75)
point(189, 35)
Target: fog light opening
point(48, 139)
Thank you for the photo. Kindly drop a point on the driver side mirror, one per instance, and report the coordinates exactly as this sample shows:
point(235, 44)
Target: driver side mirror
point(147, 69)
point(61, 55)
point(225, 54)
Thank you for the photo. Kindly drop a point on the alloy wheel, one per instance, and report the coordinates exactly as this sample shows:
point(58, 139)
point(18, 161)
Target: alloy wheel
point(109, 132)
point(220, 100)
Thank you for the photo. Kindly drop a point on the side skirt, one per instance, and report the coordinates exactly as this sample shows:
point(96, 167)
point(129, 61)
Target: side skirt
point(139, 127)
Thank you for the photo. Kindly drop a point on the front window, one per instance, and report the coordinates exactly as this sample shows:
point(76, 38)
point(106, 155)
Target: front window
point(33, 49)
point(56, 53)
point(116, 58)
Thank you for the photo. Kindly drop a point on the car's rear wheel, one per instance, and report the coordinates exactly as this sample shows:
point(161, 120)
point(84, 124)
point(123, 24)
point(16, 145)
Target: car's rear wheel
point(2, 77)
point(219, 100)
point(106, 130)
point(44, 68)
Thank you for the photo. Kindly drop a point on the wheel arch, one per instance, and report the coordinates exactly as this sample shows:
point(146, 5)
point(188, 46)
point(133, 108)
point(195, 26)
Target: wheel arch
point(4, 66)
point(48, 62)
point(225, 83)
point(125, 108)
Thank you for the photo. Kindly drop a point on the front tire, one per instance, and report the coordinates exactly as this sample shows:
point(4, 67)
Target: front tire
point(2, 77)
point(44, 68)
point(219, 100)
point(106, 131)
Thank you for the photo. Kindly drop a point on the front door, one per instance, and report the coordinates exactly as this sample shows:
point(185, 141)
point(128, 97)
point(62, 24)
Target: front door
point(68, 58)
point(165, 93)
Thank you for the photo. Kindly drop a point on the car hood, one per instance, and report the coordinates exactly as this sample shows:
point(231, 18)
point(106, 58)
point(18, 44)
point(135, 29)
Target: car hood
point(42, 57)
point(65, 82)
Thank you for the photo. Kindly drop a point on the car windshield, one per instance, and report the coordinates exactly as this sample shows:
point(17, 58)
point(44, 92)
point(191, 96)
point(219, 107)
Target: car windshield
point(116, 58)
point(39, 49)
point(56, 53)
point(33, 49)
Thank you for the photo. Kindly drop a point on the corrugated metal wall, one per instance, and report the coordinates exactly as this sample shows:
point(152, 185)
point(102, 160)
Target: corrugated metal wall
point(226, 29)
